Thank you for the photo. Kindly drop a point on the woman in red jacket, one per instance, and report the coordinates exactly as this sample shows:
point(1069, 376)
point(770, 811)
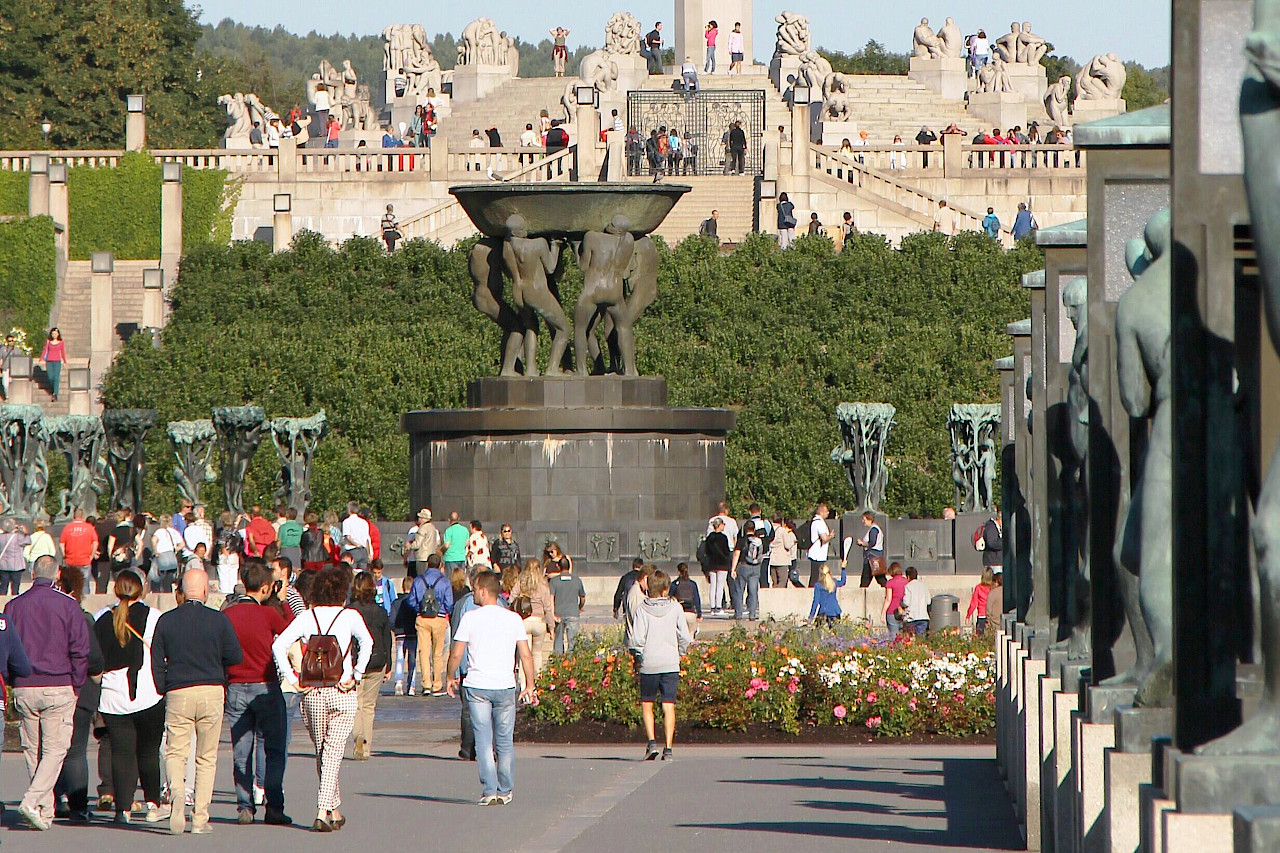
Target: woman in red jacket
point(53, 355)
point(978, 601)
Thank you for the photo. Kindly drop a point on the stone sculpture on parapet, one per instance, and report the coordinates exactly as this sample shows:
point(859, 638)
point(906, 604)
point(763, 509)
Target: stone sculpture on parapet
point(1075, 471)
point(406, 48)
point(924, 42)
point(126, 434)
point(193, 443)
point(1099, 88)
point(296, 440)
point(24, 472)
point(864, 432)
point(974, 428)
point(80, 439)
point(239, 431)
point(950, 39)
point(1145, 539)
point(1055, 101)
point(239, 125)
point(1260, 128)
point(622, 35)
point(994, 78)
point(793, 37)
point(1031, 47)
point(487, 58)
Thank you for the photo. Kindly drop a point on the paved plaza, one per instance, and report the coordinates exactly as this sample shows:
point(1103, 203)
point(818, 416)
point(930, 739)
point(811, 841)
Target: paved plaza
point(415, 793)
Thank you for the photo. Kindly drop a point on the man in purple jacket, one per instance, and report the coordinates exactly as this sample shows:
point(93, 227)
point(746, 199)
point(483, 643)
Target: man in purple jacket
point(56, 637)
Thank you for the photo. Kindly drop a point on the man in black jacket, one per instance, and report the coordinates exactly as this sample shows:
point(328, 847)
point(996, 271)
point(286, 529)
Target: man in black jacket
point(737, 149)
point(192, 649)
point(625, 583)
point(993, 538)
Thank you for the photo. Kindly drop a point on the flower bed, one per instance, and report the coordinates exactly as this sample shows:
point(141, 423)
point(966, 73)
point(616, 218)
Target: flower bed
point(788, 677)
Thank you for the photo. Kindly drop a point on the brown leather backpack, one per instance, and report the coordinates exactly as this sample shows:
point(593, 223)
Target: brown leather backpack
point(322, 657)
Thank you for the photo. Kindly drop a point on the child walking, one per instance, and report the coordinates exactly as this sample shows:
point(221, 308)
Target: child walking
point(659, 639)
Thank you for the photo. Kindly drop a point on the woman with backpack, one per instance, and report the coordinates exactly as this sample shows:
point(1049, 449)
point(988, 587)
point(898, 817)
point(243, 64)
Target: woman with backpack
point(531, 587)
point(685, 591)
point(330, 672)
point(786, 221)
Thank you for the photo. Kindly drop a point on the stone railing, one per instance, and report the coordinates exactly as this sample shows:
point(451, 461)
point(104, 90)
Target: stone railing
point(560, 166)
point(929, 160)
point(918, 160)
point(496, 160)
point(432, 223)
point(20, 161)
point(258, 161)
point(918, 203)
point(1017, 157)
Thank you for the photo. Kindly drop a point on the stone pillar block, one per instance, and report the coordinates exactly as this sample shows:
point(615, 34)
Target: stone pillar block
point(171, 221)
point(438, 164)
point(1095, 739)
point(1085, 111)
point(1032, 671)
point(1018, 750)
point(952, 156)
point(998, 109)
point(800, 156)
point(772, 143)
point(1049, 686)
point(473, 82)
point(1197, 833)
point(1029, 81)
point(38, 185)
point(60, 210)
point(782, 69)
point(945, 75)
point(1154, 803)
point(282, 222)
point(287, 160)
point(835, 132)
point(101, 316)
point(616, 156)
point(1125, 772)
point(587, 134)
point(1065, 707)
point(153, 282)
point(633, 71)
point(1256, 829)
point(76, 379)
point(21, 386)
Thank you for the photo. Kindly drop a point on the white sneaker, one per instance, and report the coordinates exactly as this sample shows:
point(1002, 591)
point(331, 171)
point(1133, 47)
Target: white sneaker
point(411, 692)
point(504, 799)
point(399, 688)
point(259, 795)
point(491, 800)
point(157, 813)
point(34, 818)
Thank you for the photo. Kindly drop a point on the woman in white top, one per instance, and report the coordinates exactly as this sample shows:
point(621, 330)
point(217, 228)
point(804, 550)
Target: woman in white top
point(782, 553)
point(166, 545)
point(130, 706)
point(329, 713)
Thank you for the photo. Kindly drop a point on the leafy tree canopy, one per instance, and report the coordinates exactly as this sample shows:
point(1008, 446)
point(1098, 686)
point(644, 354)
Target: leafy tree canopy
point(781, 337)
point(871, 59)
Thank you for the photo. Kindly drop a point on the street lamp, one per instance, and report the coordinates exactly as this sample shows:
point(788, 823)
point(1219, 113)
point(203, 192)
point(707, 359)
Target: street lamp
point(45, 127)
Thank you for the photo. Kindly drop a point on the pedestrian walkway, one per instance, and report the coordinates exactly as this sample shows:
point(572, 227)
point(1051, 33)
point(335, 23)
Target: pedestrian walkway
point(603, 799)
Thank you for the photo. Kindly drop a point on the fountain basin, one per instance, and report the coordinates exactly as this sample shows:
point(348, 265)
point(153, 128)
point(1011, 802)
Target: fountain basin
point(567, 209)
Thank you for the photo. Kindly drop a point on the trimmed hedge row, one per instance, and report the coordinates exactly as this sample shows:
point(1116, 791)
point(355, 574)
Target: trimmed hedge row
point(14, 191)
point(28, 275)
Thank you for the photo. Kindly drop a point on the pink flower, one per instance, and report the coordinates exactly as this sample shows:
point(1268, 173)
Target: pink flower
point(756, 683)
point(536, 701)
point(902, 689)
point(840, 711)
point(912, 704)
point(946, 711)
point(764, 685)
point(551, 687)
point(881, 682)
point(871, 698)
point(571, 683)
point(565, 698)
point(792, 687)
point(590, 692)
point(750, 693)
point(873, 722)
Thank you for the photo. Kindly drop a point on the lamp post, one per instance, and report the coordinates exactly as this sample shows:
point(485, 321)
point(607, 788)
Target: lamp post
point(45, 127)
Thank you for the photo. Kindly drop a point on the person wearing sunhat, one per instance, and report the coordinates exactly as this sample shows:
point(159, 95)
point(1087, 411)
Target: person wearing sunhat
point(427, 540)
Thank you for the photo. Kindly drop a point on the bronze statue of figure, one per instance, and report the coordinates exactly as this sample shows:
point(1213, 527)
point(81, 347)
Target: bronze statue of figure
point(296, 440)
point(80, 439)
point(1144, 546)
point(193, 443)
point(605, 258)
point(24, 472)
point(1075, 471)
point(239, 434)
point(126, 433)
point(486, 274)
point(533, 264)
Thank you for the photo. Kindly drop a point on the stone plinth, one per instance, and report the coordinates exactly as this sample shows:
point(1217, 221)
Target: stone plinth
point(1125, 772)
point(945, 75)
point(352, 138)
point(1217, 784)
point(473, 82)
point(1029, 81)
point(601, 464)
point(1091, 742)
point(781, 69)
point(1196, 833)
point(1085, 111)
point(1065, 706)
point(998, 109)
point(1136, 727)
point(632, 72)
point(830, 132)
point(1256, 829)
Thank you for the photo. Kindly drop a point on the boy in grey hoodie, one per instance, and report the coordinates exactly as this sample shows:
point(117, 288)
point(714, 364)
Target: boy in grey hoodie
point(659, 638)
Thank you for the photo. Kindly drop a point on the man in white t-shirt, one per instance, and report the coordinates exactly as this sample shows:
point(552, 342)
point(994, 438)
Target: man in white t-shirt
point(356, 539)
point(490, 637)
point(730, 525)
point(819, 534)
point(915, 598)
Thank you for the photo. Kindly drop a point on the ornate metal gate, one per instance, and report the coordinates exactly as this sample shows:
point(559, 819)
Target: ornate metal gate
point(703, 120)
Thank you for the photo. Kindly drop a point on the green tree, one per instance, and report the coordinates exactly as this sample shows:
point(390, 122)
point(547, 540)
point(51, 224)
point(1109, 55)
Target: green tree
point(1056, 66)
point(871, 59)
point(1142, 88)
point(779, 337)
point(75, 63)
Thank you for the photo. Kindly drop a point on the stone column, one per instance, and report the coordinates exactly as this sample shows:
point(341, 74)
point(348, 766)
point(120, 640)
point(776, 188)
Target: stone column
point(587, 132)
point(1041, 474)
point(799, 189)
point(60, 210)
point(438, 162)
point(101, 316)
point(287, 161)
point(282, 222)
point(153, 299)
point(1017, 516)
point(615, 148)
point(1008, 460)
point(171, 222)
point(952, 157)
point(135, 127)
point(38, 192)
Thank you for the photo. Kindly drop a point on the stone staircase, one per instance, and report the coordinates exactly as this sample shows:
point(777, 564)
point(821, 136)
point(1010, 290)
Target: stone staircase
point(887, 104)
point(733, 196)
point(509, 108)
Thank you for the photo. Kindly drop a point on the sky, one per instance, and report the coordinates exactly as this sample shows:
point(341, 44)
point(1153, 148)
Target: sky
point(1135, 30)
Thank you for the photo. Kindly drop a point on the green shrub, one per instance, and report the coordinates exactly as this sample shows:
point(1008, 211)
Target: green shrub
point(28, 275)
point(14, 191)
point(118, 210)
point(779, 337)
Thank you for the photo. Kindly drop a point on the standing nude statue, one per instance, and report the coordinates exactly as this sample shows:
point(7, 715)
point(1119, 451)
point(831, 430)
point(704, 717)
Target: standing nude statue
point(642, 289)
point(532, 263)
point(1144, 546)
point(1075, 474)
point(486, 274)
point(1260, 124)
point(604, 258)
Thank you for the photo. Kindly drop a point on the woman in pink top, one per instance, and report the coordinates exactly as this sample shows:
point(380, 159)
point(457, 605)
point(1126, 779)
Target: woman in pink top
point(978, 601)
point(895, 587)
point(53, 355)
point(709, 67)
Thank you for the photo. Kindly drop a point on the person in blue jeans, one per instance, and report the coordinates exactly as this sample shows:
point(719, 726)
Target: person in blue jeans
point(489, 638)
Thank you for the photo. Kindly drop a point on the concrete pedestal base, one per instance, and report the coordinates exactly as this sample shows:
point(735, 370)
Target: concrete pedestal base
point(1154, 804)
point(1048, 757)
point(632, 73)
point(473, 82)
point(1256, 829)
point(781, 71)
point(1029, 81)
point(1032, 670)
point(1101, 702)
point(1065, 706)
point(352, 138)
point(998, 109)
point(1092, 741)
point(1124, 771)
point(1196, 833)
point(1136, 727)
point(946, 75)
point(1216, 784)
point(1084, 112)
point(834, 132)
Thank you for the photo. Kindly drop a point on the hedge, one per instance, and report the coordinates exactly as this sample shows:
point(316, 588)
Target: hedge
point(28, 275)
point(118, 209)
point(14, 191)
point(781, 337)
